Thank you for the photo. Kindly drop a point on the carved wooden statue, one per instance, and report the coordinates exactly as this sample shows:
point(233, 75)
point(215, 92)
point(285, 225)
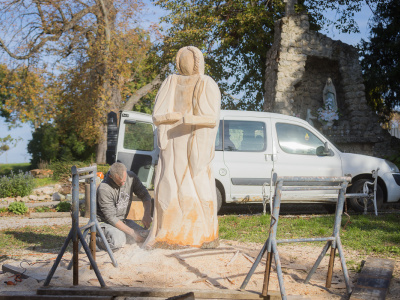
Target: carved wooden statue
point(186, 113)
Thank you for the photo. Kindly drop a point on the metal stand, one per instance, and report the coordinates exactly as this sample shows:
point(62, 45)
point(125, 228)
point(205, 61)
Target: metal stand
point(75, 233)
point(270, 246)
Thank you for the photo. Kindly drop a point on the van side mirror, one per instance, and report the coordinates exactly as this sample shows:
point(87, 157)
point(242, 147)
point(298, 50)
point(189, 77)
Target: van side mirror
point(323, 150)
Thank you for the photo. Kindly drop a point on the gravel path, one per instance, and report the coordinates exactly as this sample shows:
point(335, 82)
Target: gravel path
point(18, 222)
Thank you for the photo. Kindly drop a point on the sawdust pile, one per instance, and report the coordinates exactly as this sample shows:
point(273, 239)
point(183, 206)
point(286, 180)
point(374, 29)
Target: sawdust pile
point(221, 268)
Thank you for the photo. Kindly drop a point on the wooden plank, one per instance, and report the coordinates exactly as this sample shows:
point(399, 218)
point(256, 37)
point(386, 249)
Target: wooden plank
point(374, 279)
point(154, 292)
point(15, 295)
point(24, 273)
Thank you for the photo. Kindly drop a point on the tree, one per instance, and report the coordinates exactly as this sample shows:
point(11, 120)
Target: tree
point(48, 144)
point(26, 95)
point(97, 46)
point(381, 58)
point(235, 36)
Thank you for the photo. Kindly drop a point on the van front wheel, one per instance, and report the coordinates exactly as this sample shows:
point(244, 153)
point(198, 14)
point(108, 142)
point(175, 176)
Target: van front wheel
point(357, 204)
point(219, 199)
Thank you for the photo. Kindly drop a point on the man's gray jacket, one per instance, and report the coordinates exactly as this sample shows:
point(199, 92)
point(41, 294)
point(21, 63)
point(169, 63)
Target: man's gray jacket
point(113, 201)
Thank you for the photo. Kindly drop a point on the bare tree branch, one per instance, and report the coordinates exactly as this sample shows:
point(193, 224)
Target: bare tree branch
point(56, 33)
point(143, 91)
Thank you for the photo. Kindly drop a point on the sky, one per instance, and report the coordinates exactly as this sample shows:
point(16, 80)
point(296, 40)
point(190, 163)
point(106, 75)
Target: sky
point(19, 153)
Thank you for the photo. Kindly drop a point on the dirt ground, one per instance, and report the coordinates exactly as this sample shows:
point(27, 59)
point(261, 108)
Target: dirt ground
point(221, 268)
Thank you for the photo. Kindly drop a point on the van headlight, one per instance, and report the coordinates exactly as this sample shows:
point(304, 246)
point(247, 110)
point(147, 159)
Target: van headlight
point(392, 166)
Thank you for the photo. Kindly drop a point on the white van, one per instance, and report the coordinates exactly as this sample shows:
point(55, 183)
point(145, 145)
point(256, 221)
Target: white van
point(251, 147)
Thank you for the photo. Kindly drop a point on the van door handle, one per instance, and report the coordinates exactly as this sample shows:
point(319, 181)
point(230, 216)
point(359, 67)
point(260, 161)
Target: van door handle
point(272, 157)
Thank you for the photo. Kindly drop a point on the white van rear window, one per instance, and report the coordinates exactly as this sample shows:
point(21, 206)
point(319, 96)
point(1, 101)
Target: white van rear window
point(138, 136)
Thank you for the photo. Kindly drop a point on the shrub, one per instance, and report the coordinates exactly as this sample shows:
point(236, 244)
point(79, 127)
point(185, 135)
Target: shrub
point(63, 206)
point(18, 208)
point(14, 185)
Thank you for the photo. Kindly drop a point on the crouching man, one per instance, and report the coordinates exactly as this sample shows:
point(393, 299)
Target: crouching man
point(114, 196)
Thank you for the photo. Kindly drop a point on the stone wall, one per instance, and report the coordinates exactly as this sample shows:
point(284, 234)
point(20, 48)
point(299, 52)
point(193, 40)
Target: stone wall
point(298, 65)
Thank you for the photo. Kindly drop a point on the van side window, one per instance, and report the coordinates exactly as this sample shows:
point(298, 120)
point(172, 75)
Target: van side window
point(295, 139)
point(138, 136)
point(244, 136)
point(218, 138)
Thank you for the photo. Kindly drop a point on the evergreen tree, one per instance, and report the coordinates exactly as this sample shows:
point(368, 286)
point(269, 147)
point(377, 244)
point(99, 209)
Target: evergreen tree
point(381, 58)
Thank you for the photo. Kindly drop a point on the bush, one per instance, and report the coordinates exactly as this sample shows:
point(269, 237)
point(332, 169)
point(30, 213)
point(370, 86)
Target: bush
point(63, 206)
point(14, 185)
point(18, 208)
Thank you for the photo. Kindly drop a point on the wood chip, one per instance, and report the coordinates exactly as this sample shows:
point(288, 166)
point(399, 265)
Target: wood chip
point(230, 280)
point(249, 258)
point(233, 258)
point(203, 279)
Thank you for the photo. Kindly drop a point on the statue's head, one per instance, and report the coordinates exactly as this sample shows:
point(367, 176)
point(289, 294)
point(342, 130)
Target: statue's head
point(329, 81)
point(190, 61)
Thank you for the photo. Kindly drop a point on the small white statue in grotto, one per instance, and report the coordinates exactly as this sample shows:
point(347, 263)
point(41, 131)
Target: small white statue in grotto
point(329, 95)
point(186, 114)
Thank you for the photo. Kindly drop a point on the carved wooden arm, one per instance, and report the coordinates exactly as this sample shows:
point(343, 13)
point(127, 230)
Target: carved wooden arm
point(168, 118)
point(199, 120)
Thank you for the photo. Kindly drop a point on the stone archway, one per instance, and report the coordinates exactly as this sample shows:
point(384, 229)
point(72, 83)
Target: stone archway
point(298, 65)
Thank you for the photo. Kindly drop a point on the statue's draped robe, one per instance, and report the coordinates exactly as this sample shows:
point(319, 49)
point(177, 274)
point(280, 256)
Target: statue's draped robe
point(185, 195)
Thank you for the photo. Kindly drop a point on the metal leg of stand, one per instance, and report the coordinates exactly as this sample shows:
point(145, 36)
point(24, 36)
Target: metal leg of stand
point(344, 267)
point(316, 264)
point(92, 262)
point(254, 266)
point(279, 270)
point(103, 237)
point(58, 259)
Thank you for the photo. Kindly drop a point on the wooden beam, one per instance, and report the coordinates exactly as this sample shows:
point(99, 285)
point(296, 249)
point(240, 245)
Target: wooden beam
point(154, 292)
point(50, 214)
point(24, 273)
point(32, 296)
point(374, 279)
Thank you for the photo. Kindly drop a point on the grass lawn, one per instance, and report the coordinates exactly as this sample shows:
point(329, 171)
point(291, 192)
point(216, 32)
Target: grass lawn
point(365, 234)
point(39, 239)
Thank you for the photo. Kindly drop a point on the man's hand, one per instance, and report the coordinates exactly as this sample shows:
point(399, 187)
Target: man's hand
point(125, 228)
